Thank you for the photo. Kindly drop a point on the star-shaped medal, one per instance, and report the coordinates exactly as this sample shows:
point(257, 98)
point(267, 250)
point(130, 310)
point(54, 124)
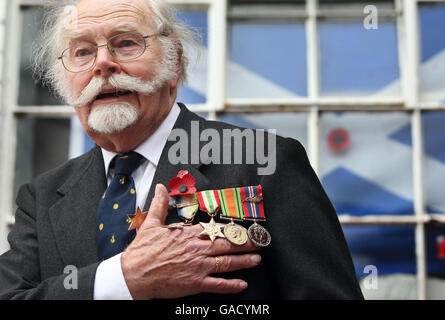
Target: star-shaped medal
point(137, 219)
point(212, 230)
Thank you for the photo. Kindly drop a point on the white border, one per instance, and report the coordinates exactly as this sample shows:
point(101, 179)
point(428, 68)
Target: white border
point(409, 60)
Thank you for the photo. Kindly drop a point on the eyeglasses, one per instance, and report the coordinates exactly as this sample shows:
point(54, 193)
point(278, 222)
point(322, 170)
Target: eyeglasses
point(123, 47)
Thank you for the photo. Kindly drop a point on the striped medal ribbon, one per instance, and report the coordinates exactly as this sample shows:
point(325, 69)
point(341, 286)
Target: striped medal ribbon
point(252, 200)
point(209, 201)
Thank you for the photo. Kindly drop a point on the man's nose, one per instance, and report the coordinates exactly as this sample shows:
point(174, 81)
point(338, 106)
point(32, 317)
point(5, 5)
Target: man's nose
point(106, 63)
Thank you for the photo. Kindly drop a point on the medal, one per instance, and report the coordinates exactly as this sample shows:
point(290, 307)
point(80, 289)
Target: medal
point(252, 202)
point(231, 208)
point(211, 229)
point(187, 206)
point(259, 235)
point(235, 233)
point(136, 220)
point(209, 202)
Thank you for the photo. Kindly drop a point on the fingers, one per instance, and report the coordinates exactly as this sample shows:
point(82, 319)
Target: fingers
point(228, 263)
point(223, 246)
point(220, 285)
point(158, 208)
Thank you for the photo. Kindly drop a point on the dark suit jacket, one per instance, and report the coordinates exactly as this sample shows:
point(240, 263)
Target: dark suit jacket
point(56, 226)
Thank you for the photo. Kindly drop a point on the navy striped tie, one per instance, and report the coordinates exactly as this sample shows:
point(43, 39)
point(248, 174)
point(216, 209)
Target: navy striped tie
point(117, 202)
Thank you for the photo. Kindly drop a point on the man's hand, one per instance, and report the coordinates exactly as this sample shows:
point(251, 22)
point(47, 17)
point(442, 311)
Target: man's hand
point(173, 263)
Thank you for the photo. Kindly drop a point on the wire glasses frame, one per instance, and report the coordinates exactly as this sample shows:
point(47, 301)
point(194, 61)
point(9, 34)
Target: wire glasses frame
point(123, 47)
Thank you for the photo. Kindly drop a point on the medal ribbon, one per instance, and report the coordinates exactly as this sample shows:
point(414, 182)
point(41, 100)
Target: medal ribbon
point(231, 206)
point(209, 201)
point(252, 210)
point(187, 212)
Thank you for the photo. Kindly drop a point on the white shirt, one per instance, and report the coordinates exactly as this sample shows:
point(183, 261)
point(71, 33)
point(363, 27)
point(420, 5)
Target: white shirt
point(109, 283)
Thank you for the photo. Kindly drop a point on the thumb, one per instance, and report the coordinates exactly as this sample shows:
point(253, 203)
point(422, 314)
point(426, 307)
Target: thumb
point(158, 209)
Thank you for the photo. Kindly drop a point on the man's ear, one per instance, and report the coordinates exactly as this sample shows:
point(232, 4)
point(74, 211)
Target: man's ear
point(179, 66)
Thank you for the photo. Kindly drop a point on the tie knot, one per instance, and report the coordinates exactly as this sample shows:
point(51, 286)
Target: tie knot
point(126, 163)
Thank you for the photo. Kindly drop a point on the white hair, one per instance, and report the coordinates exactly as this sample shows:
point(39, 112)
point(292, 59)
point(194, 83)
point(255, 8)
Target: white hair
point(112, 118)
point(177, 36)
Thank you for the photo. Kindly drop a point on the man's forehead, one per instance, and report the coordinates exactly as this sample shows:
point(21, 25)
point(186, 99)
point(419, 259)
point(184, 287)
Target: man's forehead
point(90, 13)
point(80, 33)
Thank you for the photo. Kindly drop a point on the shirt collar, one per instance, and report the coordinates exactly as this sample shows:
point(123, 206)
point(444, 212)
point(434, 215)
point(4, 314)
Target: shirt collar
point(151, 148)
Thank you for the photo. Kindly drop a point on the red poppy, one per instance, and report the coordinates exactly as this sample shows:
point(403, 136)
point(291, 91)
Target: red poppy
point(182, 184)
point(441, 247)
point(338, 140)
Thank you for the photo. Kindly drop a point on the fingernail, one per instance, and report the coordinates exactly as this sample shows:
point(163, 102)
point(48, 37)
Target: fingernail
point(256, 259)
point(243, 285)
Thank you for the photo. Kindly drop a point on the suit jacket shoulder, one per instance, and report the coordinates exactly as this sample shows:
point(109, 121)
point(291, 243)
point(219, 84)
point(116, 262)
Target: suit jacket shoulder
point(54, 229)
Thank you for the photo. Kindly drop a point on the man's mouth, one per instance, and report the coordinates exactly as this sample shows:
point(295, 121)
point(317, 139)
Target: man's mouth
point(113, 94)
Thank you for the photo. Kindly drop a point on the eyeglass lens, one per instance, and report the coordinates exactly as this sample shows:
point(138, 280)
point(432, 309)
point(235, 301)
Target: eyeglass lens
point(123, 47)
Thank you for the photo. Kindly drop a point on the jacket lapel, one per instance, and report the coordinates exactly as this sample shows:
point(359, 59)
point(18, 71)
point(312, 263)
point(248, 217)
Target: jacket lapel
point(166, 171)
point(73, 217)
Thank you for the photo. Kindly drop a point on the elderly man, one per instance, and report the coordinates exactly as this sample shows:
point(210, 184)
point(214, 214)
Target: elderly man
point(119, 64)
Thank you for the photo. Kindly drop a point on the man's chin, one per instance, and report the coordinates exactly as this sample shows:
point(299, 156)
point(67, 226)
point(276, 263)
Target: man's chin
point(112, 119)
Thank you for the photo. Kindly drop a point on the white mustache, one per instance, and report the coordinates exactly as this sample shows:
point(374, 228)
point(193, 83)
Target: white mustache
point(120, 82)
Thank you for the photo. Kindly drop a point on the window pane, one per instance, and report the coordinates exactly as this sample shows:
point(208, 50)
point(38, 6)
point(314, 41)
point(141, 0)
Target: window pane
point(80, 142)
point(30, 92)
point(293, 125)
point(267, 60)
point(435, 252)
point(357, 61)
point(195, 91)
point(391, 250)
point(434, 161)
point(42, 144)
point(432, 69)
point(366, 162)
